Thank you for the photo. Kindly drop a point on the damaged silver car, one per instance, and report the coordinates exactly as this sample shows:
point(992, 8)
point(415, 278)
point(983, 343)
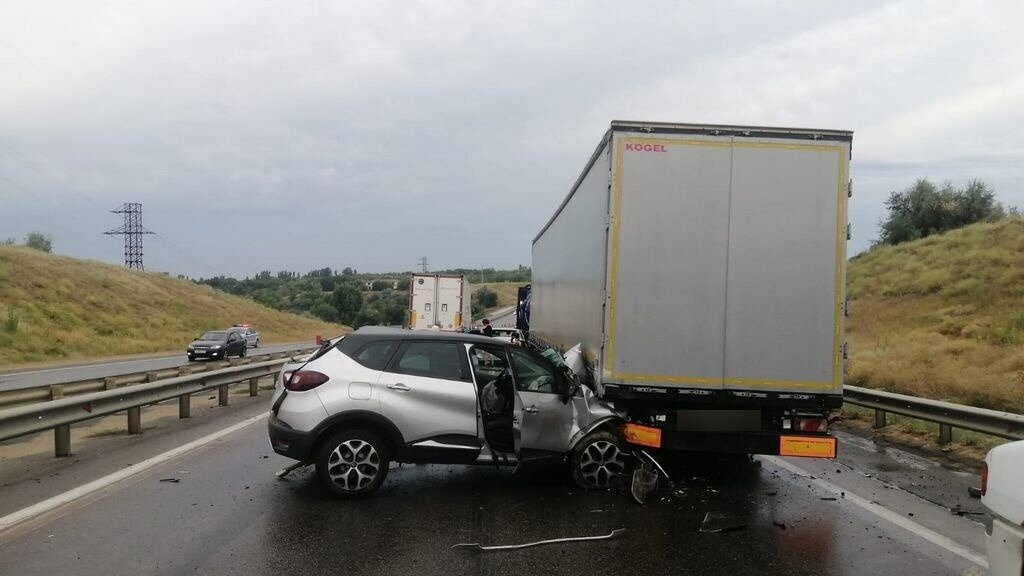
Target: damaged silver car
point(381, 395)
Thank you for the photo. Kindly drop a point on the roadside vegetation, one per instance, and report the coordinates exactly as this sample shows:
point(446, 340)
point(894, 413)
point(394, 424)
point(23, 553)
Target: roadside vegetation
point(53, 308)
point(942, 317)
point(356, 299)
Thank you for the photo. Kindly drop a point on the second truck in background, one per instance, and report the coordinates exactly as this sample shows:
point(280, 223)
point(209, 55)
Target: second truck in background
point(439, 302)
point(702, 269)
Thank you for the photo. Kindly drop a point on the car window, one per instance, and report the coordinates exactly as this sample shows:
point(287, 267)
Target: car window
point(431, 359)
point(487, 363)
point(534, 374)
point(375, 355)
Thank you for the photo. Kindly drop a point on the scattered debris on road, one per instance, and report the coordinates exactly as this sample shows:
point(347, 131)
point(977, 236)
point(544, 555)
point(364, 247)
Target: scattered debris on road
point(286, 471)
point(172, 480)
point(717, 522)
point(480, 548)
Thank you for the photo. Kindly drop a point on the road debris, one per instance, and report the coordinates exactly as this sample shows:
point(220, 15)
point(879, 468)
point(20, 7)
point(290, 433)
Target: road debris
point(717, 522)
point(480, 548)
point(286, 471)
point(172, 480)
point(829, 498)
point(645, 481)
point(777, 524)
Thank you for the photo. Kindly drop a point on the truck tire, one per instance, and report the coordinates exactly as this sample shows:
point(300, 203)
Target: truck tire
point(600, 461)
point(353, 463)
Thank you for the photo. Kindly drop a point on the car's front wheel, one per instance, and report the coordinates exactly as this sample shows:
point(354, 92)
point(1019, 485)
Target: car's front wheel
point(600, 461)
point(353, 463)
point(243, 352)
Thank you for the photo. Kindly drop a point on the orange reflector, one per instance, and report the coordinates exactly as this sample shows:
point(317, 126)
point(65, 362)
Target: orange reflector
point(809, 446)
point(643, 435)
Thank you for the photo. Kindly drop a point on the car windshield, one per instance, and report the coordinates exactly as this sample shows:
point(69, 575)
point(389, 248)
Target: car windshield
point(214, 336)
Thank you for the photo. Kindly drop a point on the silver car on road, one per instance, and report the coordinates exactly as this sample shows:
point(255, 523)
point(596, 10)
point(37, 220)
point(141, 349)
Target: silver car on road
point(380, 395)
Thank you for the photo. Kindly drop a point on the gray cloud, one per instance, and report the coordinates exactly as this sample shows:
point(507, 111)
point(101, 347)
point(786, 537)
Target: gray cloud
point(262, 135)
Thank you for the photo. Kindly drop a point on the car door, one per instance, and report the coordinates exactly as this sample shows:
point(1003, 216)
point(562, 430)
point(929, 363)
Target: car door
point(543, 417)
point(235, 344)
point(428, 393)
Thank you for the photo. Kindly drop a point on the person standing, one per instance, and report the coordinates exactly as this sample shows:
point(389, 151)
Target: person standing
point(487, 329)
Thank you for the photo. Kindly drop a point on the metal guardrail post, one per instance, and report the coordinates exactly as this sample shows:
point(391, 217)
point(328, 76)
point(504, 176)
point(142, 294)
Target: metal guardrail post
point(109, 383)
point(61, 434)
point(254, 386)
point(135, 420)
point(945, 434)
point(880, 418)
point(222, 395)
point(152, 376)
point(185, 406)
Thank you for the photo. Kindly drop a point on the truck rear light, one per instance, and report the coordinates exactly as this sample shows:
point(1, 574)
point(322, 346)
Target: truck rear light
point(984, 478)
point(805, 424)
point(304, 380)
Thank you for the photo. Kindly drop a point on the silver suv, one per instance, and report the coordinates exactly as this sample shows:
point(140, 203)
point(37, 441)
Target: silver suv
point(380, 395)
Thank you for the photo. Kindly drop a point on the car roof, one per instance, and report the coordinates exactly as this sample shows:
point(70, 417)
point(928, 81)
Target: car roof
point(382, 333)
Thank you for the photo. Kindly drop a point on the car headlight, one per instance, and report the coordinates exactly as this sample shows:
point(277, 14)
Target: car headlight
point(214, 347)
point(191, 348)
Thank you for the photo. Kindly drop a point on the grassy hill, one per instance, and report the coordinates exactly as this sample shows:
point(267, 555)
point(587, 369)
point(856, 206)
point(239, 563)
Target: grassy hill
point(942, 317)
point(54, 307)
point(508, 292)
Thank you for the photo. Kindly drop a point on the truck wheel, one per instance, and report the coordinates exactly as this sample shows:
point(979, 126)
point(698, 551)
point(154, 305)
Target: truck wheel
point(601, 460)
point(353, 463)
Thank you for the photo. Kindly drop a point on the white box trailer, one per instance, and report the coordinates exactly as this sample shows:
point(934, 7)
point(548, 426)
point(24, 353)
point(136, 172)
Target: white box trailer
point(439, 301)
point(703, 268)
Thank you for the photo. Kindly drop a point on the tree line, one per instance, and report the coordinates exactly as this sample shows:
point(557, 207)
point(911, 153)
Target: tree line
point(349, 297)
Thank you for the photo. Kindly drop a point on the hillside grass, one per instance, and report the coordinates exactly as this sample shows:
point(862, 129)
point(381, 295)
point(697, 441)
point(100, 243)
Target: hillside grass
point(508, 292)
point(53, 308)
point(942, 317)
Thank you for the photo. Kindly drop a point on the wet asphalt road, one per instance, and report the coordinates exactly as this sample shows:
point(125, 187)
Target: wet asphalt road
point(228, 514)
point(28, 379)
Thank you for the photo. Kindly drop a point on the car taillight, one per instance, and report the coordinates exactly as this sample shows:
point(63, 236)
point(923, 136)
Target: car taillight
point(304, 380)
point(810, 424)
point(984, 478)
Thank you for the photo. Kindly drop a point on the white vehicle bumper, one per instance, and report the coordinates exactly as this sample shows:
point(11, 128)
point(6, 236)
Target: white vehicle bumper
point(1005, 546)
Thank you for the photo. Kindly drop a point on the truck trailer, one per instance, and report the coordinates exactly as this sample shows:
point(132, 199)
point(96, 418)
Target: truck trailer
point(439, 302)
point(702, 268)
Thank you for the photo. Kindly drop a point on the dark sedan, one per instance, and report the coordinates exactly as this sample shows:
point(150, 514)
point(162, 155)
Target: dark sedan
point(217, 345)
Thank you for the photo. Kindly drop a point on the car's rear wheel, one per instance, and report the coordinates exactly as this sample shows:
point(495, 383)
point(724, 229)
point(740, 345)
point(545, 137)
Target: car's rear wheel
point(353, 463)
point(600, 461)
point(257, 345)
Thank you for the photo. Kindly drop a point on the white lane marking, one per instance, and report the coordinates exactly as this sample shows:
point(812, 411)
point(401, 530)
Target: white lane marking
point(879, 510)
point(59, 500)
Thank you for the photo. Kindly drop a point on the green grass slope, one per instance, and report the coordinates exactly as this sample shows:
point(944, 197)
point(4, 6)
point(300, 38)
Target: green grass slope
point(942, 317)
point(54, 307)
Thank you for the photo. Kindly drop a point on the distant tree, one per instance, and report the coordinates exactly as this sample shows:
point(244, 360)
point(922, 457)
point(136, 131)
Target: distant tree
point(487, 298)
point(347, 300)
point(924, 209)
point(348, 271)
point(39, 241)
point(8, 242)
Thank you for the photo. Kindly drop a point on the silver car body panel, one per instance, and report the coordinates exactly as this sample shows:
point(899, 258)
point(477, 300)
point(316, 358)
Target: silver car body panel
point(422, 407)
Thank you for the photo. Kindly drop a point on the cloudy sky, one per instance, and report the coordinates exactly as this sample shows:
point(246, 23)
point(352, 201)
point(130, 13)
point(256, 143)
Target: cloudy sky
point(298, 135)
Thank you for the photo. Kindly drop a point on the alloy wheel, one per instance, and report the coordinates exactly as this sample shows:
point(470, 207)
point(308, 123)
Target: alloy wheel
point(602, 464)
point(353, 465)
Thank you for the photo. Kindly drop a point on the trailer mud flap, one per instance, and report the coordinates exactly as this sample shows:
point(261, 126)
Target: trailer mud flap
point(807, 446)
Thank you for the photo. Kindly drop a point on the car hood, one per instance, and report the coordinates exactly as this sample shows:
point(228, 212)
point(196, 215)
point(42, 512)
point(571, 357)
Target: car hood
point(208, 343)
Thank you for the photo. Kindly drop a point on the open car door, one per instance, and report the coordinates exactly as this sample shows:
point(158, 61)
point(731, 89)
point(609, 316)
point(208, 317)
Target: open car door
point(543, 416)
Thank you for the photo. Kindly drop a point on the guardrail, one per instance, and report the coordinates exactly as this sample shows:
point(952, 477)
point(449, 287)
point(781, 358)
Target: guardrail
point(946, 414)
point(64, 389)
point(59, 414)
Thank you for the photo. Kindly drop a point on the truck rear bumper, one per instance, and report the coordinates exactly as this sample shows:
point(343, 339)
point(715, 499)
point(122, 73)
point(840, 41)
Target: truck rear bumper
point(808, 445)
